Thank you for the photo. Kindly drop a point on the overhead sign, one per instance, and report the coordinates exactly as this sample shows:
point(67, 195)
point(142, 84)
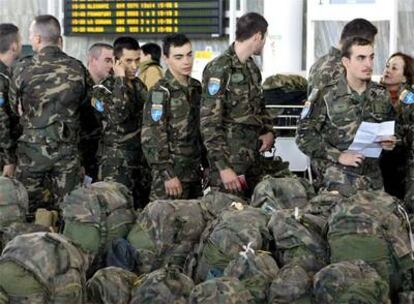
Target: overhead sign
point(144, 18)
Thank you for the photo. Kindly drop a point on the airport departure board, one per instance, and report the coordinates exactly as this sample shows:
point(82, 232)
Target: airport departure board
point(143, 18)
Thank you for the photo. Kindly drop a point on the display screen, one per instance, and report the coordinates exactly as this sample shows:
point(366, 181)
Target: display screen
point(144, 18)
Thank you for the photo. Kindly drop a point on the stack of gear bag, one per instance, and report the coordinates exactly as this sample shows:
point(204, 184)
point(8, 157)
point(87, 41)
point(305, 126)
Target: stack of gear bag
point(43, 268)
point(285, 90)
point(166, 231)
point(96, 215)
point(14, 206)
point(373, 227)
point(224, 238)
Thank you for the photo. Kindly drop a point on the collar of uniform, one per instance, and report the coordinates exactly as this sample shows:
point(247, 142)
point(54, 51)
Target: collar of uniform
point(4, 68)
point(50, 49)
point(333, 51)
point(146, 64)
point(175, 84)
point(234, 59)
point(342, 87)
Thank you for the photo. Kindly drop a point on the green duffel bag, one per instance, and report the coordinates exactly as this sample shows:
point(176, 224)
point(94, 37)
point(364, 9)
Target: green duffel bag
point(110, 285)
point(224, 290)
point(255, 270)
point(372, 226)
point(350, 282)
point(165, 232)
point(281, 193)
point(96, 215)
point(163, 286)
point(225, 237)
point(14, 201)
point(292, 285)
point(43, 268)
point(298, 239)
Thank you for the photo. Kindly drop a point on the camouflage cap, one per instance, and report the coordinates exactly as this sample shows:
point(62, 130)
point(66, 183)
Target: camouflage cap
point(221, 290)
point(350, 282)
point(14, 201)
point(287, 82)
point(111, 285)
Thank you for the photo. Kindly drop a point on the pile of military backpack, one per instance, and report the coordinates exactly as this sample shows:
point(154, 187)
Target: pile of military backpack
point(285, 245)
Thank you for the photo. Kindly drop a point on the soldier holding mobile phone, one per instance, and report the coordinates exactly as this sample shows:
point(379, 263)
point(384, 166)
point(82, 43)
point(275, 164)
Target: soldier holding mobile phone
point(120, 99)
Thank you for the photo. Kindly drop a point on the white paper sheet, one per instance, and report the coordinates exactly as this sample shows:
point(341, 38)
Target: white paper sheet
point(368, 136)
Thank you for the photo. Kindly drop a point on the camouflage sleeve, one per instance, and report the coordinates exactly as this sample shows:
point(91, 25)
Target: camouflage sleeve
point(309, 134)
point(155, 135)
point(267, 121)
point(110, 98)
point(6, 142)
point(212, 113)
point(14, 92)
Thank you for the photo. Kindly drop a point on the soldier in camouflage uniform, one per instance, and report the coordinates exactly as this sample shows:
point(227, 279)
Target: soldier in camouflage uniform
point(329, 67)
point(100, 62)
point(337, 112)
point(10, 48)
point(46, 91)
point(234, 123)
point(171, 137)
point(120, 99)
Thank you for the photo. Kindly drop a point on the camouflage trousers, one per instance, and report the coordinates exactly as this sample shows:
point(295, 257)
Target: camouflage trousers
point(128, 168)
point(48, 172)
point(191, 189)
point(347, 180)
point(244, 158)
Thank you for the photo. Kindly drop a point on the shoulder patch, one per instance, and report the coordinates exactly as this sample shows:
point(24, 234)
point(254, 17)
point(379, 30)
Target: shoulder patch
point(2, 99)
point(213, 86)
point(156, 105)
point(313, 95)
point(306, 109)
point(407, 97)
point(98, 104)
point(156, 111)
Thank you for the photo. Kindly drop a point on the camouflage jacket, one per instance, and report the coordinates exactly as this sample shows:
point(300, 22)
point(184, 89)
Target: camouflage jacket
point(121, 106)
point(171, 138)
point(8, 120)
point(232, 100)
point(46, 91)
point(335, 116)
point(325, 70)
